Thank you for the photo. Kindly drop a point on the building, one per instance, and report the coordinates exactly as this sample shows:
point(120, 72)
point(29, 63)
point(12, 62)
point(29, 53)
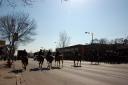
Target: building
point(68, 52)
point(3, 49)
point(98, 52)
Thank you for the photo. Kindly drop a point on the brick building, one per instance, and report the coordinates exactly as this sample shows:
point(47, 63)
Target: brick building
point(97, 52)
point(68, 52)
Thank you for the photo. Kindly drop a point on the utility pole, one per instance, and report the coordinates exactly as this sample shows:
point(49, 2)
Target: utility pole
point(92, 34)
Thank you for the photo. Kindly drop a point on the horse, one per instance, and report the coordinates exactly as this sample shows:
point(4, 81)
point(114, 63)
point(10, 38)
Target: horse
point(24, 59)
point(77, 58)
point(49, 59)
point(39, 56)
point(58, 58)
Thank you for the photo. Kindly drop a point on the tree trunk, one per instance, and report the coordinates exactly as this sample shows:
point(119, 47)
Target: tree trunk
point(11, 55)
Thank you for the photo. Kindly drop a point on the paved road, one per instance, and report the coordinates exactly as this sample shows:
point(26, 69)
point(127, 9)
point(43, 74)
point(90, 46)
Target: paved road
point(103, 74)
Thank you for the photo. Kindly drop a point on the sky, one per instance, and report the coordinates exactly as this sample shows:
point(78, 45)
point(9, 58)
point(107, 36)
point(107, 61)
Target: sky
point(105, 18)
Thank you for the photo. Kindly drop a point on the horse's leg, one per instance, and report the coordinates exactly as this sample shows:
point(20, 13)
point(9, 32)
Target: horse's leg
point(51, 65)
point(25, 66)
point(77, 62)
point(74, 62)
point(91, 62)
point(42, 63)
point(22, 64)
point(55, 62)
point(39, 64)
point(80, 62)
point(59, 63)
point(48, 65)
point(62, 62)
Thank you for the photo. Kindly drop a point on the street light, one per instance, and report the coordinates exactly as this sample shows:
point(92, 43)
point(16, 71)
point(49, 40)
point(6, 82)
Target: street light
point(91, 35)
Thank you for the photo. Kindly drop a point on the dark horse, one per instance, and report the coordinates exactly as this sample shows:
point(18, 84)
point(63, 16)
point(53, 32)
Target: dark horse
point(24, 58)
point(58, 58)
point(77, 58)
point(49, 59)
point(39, 56)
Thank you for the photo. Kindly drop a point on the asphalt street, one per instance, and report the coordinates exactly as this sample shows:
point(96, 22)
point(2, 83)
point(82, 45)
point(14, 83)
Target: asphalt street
point(87, 74)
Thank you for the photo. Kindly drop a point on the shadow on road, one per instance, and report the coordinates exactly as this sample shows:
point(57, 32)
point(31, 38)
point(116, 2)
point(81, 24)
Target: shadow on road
point(43, 69)
point(75, 66)
point(34, 69)
point(46, 69)
point(56, 68)
point(37, 69)
point(16, 71)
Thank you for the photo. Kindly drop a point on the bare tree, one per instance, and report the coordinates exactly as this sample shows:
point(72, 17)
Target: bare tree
point(96, 41)
point(112, 41)
point(14, 3)
point(64, 40)
point(103, 41)
point(126, 40)
point(119, 40)
point(15, 29)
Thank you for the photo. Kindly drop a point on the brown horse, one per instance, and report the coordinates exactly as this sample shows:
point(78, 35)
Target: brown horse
point(58, 59)
point(77, 58)
point(49, 59)
point(24, 58)
point(39, 56)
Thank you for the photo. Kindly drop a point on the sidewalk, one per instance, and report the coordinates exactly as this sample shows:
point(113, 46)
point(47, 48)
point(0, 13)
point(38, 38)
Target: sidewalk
point(7, 77)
